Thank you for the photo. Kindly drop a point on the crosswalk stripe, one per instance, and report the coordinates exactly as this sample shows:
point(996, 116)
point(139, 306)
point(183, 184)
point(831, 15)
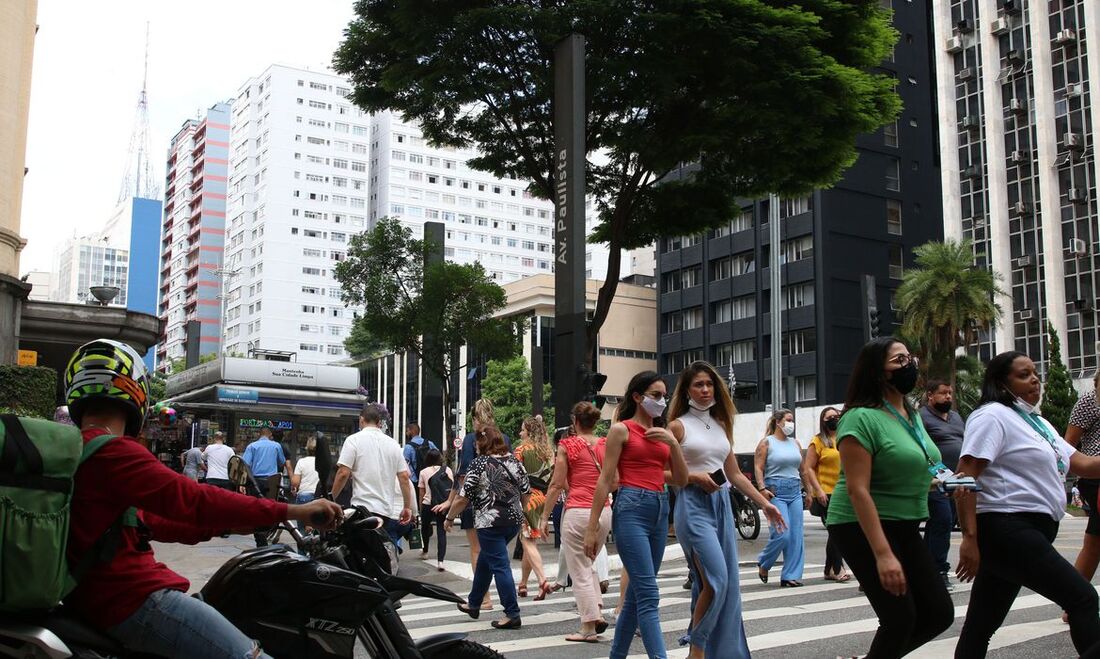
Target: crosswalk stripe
point(1006, 636)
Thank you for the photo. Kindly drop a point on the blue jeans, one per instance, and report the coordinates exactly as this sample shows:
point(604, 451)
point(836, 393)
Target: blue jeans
point(788, 498)
point(640, 522)
point(493, 562)
point(705, 529)
point(303, 497)
point(937, 530)
point(171, 624)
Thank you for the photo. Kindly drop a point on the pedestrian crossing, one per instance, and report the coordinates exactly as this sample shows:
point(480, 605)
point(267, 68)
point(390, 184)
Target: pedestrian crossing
point(821, 619)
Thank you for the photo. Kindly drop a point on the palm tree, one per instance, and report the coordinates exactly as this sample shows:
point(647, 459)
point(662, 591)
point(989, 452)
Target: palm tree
point(947, 299)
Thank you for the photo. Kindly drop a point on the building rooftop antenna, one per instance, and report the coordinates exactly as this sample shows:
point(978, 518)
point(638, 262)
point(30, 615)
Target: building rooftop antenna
point(138, 181)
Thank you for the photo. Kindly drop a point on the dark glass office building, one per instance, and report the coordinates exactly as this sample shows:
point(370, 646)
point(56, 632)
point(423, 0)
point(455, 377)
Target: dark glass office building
point(715, 294)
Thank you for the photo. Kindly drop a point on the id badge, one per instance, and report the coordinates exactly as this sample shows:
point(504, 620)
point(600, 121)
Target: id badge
point(940, 472)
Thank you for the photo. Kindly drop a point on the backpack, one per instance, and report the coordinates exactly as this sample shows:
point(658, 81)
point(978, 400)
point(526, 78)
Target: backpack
point(440, 485)
point(38, 460)
point(420, 454)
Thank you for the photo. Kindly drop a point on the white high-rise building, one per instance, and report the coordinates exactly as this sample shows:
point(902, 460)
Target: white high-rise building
point(1017, 134)
point(494, 221)
point(297, 189)
point(89, 261)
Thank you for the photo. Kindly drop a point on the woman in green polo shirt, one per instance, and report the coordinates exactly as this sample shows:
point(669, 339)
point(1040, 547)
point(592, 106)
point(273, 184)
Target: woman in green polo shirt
point(888, 464)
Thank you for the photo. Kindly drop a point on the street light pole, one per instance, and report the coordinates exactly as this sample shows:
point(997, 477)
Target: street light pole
point(225, 274)
point(776, 279)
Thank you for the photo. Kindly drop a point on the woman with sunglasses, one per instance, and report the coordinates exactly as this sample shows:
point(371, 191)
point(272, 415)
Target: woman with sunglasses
point(639, 452)
point(1009, 527)
point(821, 469)
point(874, 517)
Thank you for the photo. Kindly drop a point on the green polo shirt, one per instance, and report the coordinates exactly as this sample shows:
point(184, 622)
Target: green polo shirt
point(899, 469)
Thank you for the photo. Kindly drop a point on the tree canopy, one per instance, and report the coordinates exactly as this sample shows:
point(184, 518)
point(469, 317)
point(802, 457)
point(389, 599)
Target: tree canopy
point(766, 96)
point(507, 383)
point(428, 310)
point(945, 300)
point(1059, 396)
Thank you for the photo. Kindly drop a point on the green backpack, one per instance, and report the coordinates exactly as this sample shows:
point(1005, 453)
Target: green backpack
point(38, 460)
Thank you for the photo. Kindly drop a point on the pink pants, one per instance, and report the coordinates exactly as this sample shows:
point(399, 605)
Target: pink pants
point(586, 585)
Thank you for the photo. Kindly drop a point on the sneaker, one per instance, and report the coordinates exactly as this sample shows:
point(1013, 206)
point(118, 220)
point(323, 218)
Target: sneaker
point(947, 582)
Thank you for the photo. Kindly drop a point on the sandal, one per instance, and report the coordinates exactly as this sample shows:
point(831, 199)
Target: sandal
point(522, 590)
point(544, 590)
point(601, 626)
point(843, 577)
point(790, 583)
point(583, 638)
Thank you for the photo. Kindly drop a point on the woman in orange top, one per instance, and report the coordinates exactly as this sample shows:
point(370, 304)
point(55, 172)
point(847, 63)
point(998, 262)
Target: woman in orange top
point(639, 451)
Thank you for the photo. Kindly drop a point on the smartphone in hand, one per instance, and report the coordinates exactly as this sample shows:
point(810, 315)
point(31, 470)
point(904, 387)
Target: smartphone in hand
point(719, 477)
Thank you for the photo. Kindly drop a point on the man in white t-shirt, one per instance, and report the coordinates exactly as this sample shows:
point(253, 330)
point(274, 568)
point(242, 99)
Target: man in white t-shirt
point(374, 462)
point(216, 458)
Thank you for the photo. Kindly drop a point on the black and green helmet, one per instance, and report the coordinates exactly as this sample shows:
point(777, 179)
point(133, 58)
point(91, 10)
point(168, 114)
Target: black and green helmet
point(104, 370)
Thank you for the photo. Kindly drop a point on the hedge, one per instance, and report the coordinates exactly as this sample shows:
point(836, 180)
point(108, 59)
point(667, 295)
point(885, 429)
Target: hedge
point(28, 390)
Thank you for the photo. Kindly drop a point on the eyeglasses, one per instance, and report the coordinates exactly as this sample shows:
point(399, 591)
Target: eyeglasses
point(903, 360)
point(655, 395)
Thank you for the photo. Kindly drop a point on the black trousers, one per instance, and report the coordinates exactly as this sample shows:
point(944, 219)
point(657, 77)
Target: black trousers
point(428, 520)
point(834, 563)
point(1016, 550)
point(918, 616)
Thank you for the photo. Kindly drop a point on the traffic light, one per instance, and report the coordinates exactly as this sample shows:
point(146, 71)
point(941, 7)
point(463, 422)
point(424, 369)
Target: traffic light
point(591, 384)
point(873, 322)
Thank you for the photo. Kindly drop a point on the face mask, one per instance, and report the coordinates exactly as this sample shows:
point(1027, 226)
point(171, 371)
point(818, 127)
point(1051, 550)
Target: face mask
point(653, 408)
point(788, 429)
point(942, 408)
point(1026, 407)
point(831, 424)
point(904, 378)
point(700, 406)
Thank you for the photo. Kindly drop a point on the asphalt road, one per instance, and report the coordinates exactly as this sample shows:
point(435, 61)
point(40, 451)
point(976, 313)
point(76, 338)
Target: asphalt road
point(823, 619)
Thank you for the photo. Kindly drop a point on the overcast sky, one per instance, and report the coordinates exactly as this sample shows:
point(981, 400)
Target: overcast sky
point(87, 76)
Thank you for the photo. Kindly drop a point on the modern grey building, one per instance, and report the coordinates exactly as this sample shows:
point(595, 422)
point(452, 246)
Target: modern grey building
point(714, 294)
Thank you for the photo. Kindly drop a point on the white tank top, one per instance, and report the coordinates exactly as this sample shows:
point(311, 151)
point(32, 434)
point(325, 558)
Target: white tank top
point(705, 448)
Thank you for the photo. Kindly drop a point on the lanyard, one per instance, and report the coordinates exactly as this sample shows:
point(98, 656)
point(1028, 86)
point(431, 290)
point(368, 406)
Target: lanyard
point(1041, 428)
point(912, 428)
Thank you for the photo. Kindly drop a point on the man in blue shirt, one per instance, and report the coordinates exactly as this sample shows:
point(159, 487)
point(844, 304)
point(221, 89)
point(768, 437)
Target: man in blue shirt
point(265, 458)
point(415, 447)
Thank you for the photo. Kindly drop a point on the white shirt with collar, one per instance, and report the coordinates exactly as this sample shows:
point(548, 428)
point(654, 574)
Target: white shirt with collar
point(1022, 476)
point(375, 460)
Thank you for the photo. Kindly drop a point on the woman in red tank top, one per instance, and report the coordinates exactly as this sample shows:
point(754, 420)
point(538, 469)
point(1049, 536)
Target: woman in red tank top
point(639, 451)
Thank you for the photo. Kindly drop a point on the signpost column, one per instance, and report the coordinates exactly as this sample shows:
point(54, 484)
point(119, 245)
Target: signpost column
point(434, 425)
point(570, 322)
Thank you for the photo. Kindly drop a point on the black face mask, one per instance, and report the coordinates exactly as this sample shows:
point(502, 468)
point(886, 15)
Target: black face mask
point(904, 378)
point(831, 424)
point(942, 408)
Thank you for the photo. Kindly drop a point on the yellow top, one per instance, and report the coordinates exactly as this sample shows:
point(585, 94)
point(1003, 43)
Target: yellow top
point(828, 464)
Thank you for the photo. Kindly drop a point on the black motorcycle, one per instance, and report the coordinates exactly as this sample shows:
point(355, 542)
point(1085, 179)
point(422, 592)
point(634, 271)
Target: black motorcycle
point(344, 594)
point(746, 514)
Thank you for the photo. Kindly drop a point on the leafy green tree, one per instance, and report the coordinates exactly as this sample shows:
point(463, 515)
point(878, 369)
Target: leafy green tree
point(765, 96)
point(1059, 395)
point(405, 301)
point(508, 384)
point(945, 301)
point(969, 372)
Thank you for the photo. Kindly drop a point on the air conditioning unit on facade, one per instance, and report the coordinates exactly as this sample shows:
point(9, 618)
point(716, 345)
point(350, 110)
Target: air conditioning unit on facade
point(1015, 57)
point(1072, 141)
point(1020, 208)
point(965, 26)
point(1011, 6)
point(1017, 105)
point(971, 122)
point(1078, 247)
point(954, 44)
point(1000, 26)
point(1024, 261)
point(1065, 36)
point(979, 222)
point(973, 171)
point(1019, 157)
point(1078, 195)
point(1075, 91)
point(966, 73)
point(1025, 314)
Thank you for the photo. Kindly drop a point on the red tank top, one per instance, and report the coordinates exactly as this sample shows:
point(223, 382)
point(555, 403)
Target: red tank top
point(642, 463)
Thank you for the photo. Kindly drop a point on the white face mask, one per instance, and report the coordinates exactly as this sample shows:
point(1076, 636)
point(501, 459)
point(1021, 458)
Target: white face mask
point(1026, 407)
point(788, 428)
point(654, 408)
point(702, 407)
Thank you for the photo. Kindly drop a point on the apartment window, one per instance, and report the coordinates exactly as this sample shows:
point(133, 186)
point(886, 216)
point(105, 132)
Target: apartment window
point(309, 329)
point(689, 241)
point(893, 175)
point(796, 206)
point(678, 361)
point(308, 347)
point(743, 263)
point(743, 307)
point(313, 253)
point(805, 387)
point(797, 249)
point(893, 217)
point(897, 262)
point(318, 85)
point(309, 308)
point(693, 318)
point(798, 295)
point(721, 269)
point(721, 312)
point(799, 342)
point(890, 134)
point(311, 290)
point(311, 271)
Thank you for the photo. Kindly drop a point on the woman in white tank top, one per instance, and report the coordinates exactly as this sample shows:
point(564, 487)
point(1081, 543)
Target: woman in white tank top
point(701, 419)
